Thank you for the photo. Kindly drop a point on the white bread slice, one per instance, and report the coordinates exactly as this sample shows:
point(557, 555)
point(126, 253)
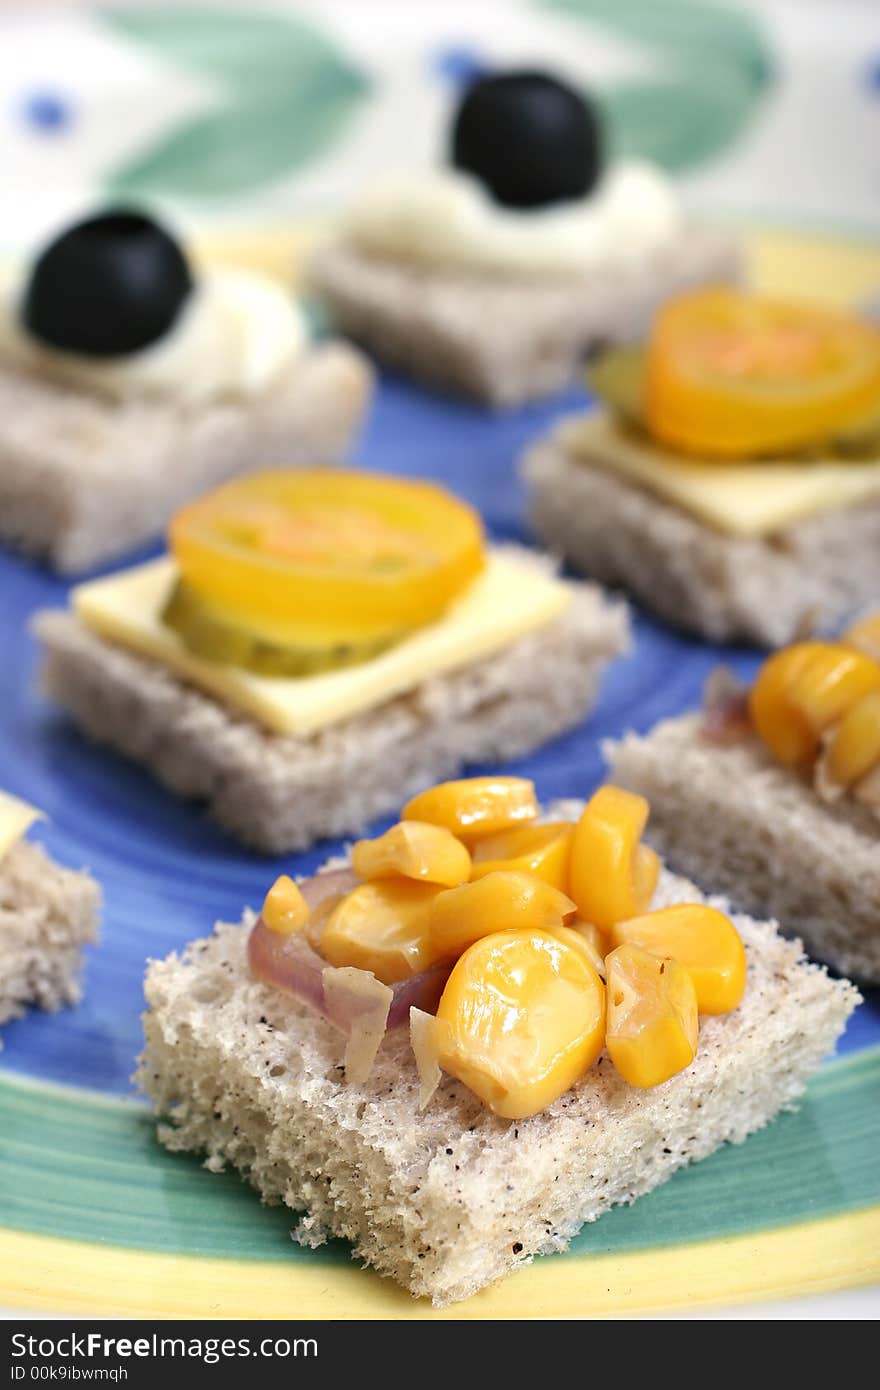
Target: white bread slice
point(504, 339)
point(732, 818)
point(84, 480)
point(771, 590)
point(47, 915)
point(449, 1199)
point(279, 792)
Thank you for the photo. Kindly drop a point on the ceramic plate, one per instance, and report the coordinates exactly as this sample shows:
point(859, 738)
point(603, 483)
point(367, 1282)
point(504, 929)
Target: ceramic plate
point(94, 1216)
point(91, 1202)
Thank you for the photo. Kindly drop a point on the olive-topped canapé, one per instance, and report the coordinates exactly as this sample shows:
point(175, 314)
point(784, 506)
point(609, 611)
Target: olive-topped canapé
point(110, 285)
point(529, 138)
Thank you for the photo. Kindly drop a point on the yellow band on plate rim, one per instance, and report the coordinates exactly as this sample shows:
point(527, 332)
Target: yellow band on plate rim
point(44, 1274)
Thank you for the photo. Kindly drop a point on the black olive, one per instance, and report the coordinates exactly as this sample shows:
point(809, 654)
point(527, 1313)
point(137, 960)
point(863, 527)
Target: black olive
point(107, 286)
point(531, 139)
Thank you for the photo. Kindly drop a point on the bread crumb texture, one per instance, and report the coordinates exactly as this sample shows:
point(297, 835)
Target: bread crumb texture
point(47, 915)
point(505, 338)
point(281, 792)
point(84, 480)
point(729, 815)
point(771, 590)
point(450, 1199)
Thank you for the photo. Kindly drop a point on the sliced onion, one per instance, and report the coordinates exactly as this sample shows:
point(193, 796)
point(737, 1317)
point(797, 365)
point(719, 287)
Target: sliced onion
point(327, 884)
point(353, 1000)
point(322, 893)
point(426, 1050)
point(726, 717)
point(422, 991)
point(287, 963)
point(827, 788)
point(358, 1004)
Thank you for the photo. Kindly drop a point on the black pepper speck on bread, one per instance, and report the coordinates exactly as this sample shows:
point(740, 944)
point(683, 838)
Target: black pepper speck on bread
point(448, 1199)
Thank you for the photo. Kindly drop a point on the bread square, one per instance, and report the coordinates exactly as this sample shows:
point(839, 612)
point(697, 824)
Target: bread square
point(279, 792)
point(729, 815)
point(84, 480)
point(47, 915)
point(451, 1198)
point(806, 577)
point(504, 339)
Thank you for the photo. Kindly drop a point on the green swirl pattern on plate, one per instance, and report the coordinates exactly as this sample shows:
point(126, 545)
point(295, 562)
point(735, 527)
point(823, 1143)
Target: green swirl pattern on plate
point(75, 1165)
point(285, 95)
point(714, 66)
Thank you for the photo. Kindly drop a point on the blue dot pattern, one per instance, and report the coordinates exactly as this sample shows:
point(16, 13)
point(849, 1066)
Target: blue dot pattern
point(47, 111)
point(459, 66)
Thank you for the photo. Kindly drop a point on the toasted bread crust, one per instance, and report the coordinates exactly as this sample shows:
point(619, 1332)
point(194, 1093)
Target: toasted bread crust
point(731, 817)
point(504, 339)
point(84, 480)
point(280, 792)
point(451, 1198)
point(47, 915)
point(807, 577)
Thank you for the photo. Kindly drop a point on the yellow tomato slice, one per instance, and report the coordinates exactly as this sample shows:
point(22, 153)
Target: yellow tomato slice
point(323, 552)
point(737, 375)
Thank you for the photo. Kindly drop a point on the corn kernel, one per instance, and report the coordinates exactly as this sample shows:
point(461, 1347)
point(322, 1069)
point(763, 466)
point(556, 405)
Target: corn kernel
point(413, 849)
point(701, 939)
point(652, 1016)
point(540, 849)
point(382, 926)
point(804, 689)
point(285, 910)
point(522, 1017)
point(501, 901)
point(584, 937)
point(854, 746)
point(865, 635)
point(612, 875)
point(475, 806)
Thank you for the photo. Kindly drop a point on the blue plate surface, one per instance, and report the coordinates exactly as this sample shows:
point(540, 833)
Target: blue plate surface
point(167, 872)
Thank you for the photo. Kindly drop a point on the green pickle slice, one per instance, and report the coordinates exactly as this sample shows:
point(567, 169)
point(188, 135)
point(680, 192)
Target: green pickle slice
point(213, 637)
point(860, 439)
point(617, 376)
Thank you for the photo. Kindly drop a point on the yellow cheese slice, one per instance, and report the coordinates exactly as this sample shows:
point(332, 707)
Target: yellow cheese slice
point(745, 499)
point(512, 597)
point(16, 817)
